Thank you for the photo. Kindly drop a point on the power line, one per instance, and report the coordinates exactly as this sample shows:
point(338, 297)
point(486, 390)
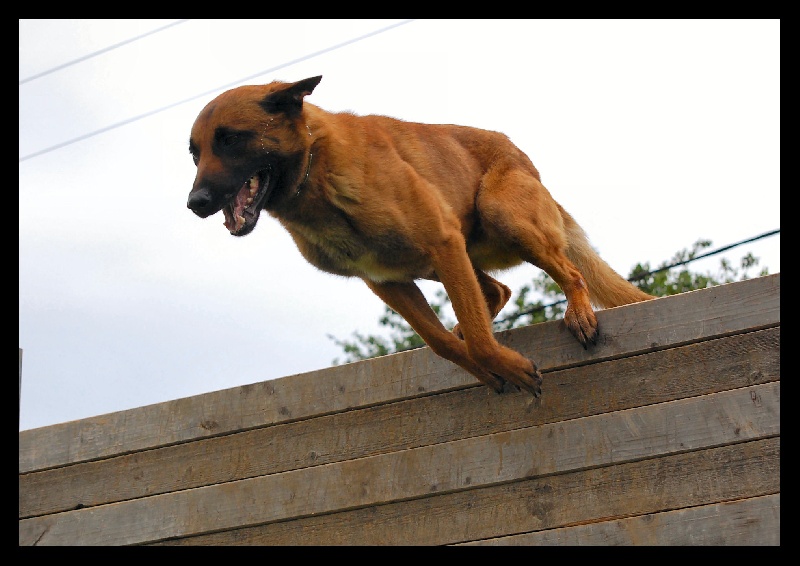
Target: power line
point(647, 274)
point(715, 252)
point(635, 278)
point(100, 52)
point(208, 92)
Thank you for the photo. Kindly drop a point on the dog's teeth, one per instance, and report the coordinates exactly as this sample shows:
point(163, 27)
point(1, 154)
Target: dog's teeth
point(253, 185)
point(239, 221)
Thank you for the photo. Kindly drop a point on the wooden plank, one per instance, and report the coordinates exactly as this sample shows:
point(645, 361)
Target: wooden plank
point(745, 522)
point(735, 471)
point(696, 369)
point(652, 325)
point(677, 426)
point(669, 321)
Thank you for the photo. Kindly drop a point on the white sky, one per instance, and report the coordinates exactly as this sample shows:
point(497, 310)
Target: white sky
point(652, 133)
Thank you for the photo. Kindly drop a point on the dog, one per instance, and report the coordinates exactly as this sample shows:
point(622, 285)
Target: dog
point(392, 202)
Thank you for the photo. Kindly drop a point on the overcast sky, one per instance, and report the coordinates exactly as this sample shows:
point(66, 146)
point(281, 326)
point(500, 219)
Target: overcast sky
point(652, 133)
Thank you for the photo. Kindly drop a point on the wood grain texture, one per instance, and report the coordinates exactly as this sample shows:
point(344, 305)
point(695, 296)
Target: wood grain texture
point(743, 522)
point(539, 505)
point(640, 328)
point(662, 429)
point(667, 433)
point(696, 369)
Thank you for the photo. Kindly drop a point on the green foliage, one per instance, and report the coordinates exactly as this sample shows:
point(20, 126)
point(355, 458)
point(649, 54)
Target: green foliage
point(550, 303)
point(672, 282)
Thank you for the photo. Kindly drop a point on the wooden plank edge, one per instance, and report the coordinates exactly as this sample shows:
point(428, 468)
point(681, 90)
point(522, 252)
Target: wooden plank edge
point(613, 438)
point(675, 481)
point(702, 368)
point(745, 522)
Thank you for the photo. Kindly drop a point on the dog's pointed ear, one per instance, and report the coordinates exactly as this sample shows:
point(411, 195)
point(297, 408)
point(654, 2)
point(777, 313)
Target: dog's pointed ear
point(289, 98)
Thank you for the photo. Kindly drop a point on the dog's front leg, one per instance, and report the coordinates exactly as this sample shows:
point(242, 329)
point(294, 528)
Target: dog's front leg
point(409, 302)
point(455, 271)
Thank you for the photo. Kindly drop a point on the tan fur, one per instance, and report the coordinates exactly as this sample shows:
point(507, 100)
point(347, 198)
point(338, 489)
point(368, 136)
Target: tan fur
point(391, 202)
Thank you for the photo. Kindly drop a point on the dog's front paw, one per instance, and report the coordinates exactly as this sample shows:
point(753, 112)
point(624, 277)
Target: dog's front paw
point(511, 367)
point(492, 380)
point(531, 381)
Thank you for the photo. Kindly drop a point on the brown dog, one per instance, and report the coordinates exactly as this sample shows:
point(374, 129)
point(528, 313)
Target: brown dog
point(391, 202)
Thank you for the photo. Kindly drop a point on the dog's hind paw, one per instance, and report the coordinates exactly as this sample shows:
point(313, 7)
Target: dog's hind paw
point(583, 326)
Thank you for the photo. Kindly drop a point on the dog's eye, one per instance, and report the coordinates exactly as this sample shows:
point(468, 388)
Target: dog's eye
point(231, 139)
point(226, 139)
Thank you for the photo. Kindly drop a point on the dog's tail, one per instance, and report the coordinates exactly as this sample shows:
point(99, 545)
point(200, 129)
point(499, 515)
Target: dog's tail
point(607, 288)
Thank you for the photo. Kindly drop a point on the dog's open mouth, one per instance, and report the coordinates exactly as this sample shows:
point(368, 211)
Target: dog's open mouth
point(241, 213)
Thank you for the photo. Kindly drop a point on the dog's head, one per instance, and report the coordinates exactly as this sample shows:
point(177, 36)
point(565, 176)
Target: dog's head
point(251, 149)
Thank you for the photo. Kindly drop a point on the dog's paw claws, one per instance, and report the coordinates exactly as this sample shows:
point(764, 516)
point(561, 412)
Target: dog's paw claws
point(532, 383)
point(536, 390)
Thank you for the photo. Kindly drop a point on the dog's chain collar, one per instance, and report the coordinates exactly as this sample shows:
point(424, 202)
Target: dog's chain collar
point(308, 170)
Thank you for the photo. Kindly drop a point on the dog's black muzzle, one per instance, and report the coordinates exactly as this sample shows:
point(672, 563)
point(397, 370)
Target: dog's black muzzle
point(202, 202)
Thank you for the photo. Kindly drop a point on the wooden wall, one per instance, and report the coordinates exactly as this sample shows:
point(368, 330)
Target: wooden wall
point(665, 433)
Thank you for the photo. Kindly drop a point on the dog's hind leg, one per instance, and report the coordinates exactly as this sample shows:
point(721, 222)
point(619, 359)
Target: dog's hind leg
point(409, 302)
point(538, 235)
point(496, 294)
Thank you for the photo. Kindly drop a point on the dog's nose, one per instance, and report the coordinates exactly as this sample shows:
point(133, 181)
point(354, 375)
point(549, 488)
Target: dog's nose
point(200, 202)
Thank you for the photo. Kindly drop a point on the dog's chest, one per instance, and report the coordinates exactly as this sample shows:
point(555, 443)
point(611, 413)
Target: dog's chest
point(340, 248)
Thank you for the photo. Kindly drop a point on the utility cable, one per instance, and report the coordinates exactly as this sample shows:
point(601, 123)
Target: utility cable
point(635, 278)
point(208, 92)
point(639, 276)
point(100, 52)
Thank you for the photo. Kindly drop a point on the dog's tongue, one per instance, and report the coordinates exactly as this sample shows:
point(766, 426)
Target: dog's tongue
point(245, 207)
point(234, 211)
